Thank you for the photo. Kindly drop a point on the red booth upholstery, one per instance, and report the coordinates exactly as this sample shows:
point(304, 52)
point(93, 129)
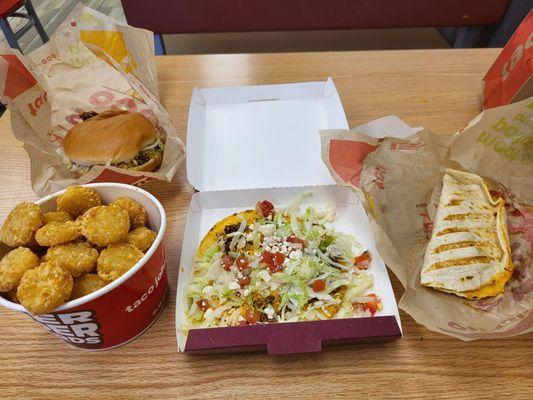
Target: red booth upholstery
point(194, 16)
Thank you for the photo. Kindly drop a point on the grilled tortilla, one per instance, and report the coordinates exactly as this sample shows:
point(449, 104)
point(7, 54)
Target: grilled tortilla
point(468, 254)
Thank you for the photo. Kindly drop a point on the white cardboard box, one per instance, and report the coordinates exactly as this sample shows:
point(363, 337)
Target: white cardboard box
point(253, 143)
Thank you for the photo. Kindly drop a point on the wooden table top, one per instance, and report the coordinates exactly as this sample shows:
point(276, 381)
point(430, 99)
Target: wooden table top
point(438, 89)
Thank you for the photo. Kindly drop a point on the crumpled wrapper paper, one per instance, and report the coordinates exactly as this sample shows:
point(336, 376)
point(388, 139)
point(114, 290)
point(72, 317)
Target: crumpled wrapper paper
point(92, 63)
point(398, 175)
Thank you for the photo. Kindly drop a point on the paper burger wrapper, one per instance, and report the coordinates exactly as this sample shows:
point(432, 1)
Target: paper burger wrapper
point(399, 179)
point(91, 63)
point(123, 309)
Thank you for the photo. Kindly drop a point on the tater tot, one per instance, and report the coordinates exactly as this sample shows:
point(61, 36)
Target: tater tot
point(56, 216)
point(142, 238)
point(21, 224)
point(13, 266)
point(78, 199)
point(86, 284)
point(116, 260)
point(54, 233)
point(77, 258)
point(44, 288)
point(136, 212)
point(105, 225)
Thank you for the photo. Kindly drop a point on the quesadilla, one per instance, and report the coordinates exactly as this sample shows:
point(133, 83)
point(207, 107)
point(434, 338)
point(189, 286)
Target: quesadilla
point(468, 253)
point(268, 265)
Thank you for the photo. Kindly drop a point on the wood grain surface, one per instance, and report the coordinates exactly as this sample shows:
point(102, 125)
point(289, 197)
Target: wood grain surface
point(438, 89)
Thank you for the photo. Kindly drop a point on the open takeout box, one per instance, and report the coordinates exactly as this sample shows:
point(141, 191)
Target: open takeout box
point(262, 142)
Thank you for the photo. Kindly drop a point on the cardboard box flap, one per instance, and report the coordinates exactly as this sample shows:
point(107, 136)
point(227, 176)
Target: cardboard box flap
point(260, 136)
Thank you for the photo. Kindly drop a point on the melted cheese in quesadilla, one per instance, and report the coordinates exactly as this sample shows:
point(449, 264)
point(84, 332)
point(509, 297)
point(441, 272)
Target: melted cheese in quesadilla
point(468, 253)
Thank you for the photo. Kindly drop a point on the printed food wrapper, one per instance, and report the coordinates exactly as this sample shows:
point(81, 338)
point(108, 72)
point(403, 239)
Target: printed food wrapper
point(92, 63)
point(399, 179)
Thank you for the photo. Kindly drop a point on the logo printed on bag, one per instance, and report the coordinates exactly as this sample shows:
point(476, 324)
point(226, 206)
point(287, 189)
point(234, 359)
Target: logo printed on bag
point(37, 103)
point(406, 146)
point(517, 56)
point(510, 138)
point(427, 224)
point(379, 176)
point(77, 327)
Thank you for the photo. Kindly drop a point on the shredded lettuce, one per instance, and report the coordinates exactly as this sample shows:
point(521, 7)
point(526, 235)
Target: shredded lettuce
point(286, 293)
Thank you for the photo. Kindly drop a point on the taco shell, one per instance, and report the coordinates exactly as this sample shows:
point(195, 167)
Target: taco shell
point(218, 229)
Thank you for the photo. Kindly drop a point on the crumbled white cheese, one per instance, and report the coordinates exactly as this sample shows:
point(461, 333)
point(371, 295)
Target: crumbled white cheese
point(267, 229)
point(269, 311)
point(246, 292)
point(207, 291)
point(234, 285)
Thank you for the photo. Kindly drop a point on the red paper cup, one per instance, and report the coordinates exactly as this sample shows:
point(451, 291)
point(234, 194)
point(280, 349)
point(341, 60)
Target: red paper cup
point(128, 306)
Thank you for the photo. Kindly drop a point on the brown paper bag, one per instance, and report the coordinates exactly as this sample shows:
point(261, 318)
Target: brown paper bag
point(92, 63)
point(400, 182)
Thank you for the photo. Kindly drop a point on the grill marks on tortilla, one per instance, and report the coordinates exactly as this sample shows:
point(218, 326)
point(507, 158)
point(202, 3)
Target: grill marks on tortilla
point(468, 251)
point(454, 202)
point(461, 245)
point(465, 208)
point(479, 232)
point(458, 262)
point(469, 216)
point(447, 231)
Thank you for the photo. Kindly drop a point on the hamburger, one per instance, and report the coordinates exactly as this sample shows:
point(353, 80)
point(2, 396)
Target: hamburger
point(118, 138)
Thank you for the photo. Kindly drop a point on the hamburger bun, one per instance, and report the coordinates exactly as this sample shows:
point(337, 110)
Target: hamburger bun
point(115, 137)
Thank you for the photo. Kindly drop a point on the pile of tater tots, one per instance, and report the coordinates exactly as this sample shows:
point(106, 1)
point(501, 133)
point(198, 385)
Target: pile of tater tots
point(66, 254)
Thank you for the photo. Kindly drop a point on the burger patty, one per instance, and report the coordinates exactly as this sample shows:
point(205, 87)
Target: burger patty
point(141, 158)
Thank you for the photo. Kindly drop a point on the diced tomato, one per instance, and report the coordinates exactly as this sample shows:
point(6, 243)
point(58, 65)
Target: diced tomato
point(295, 240)
point(227, 262)
point(242, 263)
point(265, 208)
point(252, 317)
point(318, 285)
point(267, 258)
point(275, 268)
point(363, 261)
point(202, 304)
point(244, 281)
point(372, 306)
point(363, 257)
point(279, 258)
point(274, 262)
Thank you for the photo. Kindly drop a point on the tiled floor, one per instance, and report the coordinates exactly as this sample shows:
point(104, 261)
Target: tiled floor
point(53, 12)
